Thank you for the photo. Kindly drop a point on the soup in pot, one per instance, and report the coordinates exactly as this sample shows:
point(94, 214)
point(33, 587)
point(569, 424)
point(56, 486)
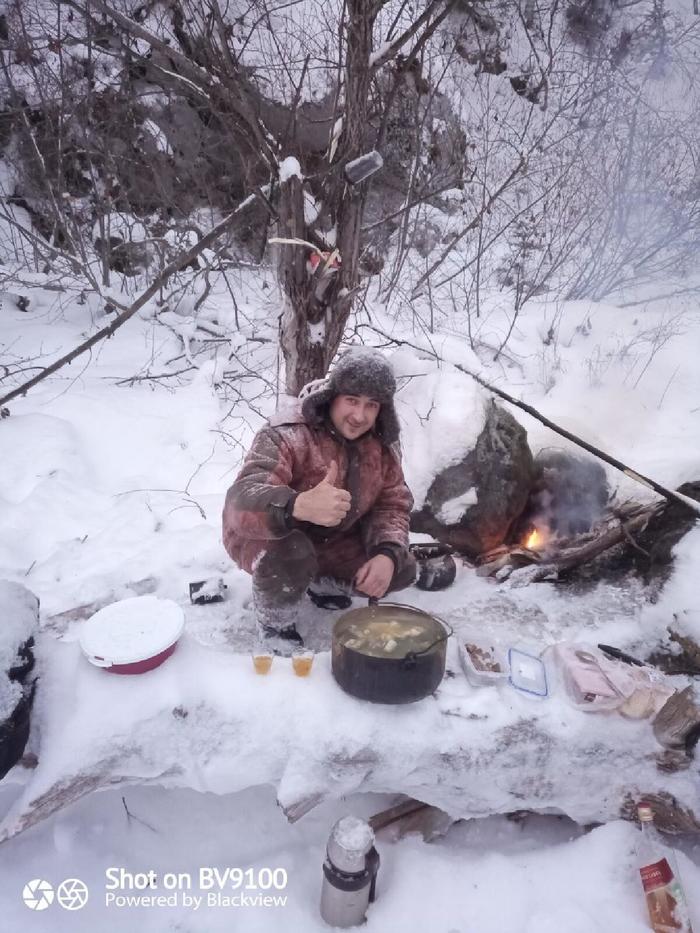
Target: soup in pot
point(383, 637)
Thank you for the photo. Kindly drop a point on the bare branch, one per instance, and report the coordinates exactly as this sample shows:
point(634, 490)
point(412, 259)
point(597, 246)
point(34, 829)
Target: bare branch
point(178, 263)
point(470, 226)
point(391, 50)
point(234, 95)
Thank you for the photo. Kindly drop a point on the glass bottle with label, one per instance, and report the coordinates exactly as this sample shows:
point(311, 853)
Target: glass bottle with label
point(668, 910)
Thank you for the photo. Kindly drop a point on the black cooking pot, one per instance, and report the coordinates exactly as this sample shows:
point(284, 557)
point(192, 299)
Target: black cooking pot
point(389, 679)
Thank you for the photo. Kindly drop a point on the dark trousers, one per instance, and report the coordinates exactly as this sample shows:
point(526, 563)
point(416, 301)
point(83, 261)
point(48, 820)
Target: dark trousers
point(284, 571)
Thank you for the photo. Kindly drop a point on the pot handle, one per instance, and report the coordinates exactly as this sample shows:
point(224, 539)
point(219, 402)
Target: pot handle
point(412, 655)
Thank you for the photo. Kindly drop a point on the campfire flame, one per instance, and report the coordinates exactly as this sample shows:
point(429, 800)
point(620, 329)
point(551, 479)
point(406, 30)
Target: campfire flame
point(534, 540)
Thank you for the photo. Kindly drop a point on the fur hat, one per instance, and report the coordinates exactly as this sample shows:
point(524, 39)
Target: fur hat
point(359, 371)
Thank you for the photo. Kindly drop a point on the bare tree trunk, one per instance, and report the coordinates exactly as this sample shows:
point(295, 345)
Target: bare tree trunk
point(203, 69)
point(317, 307)
point(300, 353)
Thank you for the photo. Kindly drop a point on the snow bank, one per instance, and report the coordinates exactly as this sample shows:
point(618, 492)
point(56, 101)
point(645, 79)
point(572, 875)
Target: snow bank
point(493, 875)
point(441, 415)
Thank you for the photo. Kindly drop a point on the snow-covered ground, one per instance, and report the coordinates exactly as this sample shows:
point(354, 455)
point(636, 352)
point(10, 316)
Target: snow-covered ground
point(543, 875)
point(105, 482)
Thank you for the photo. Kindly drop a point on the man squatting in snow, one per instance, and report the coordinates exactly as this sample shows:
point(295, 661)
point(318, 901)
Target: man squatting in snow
point(321, 494)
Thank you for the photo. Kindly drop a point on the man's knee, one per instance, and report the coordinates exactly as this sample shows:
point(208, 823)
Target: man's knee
point(283, 572)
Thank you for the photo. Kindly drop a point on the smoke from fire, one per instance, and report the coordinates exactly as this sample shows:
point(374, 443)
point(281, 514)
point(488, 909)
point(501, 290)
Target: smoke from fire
point(569, 495)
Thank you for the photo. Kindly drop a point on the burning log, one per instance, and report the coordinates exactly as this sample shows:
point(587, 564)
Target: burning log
point(534, 540)
point(504, 557)
point(554, 555)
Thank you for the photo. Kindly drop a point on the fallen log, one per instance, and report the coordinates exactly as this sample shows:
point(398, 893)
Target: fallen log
point(412, 816)
point(397, 812)
point(494, 561)
point(204, 720)
point(60, 622)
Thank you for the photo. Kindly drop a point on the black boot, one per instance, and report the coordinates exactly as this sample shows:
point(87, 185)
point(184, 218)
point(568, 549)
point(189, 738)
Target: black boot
point(281, 641)
point(329, 593)
point(329, 600)
point(277, 627)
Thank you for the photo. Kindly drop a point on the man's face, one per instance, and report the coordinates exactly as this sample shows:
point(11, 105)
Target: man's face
point(353, 415)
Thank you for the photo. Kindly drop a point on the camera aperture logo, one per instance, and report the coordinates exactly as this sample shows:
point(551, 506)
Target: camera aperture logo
point(71, 894)
point(37, 894)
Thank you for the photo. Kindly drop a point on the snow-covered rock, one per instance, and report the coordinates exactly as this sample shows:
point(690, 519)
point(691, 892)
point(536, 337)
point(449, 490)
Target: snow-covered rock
point(472, 504)
point(19, 614)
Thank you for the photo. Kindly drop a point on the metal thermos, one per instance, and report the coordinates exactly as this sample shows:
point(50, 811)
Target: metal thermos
point(349, 873)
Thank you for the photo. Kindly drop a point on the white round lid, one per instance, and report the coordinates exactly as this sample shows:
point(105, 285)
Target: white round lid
point(353, 834)
point(132, 630)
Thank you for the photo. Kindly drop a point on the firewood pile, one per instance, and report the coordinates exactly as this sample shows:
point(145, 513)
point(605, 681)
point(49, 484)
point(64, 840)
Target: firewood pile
point(542, 556)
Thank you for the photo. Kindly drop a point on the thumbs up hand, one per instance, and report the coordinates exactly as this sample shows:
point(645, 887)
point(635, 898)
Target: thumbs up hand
point(331, 475)
point(324, 504)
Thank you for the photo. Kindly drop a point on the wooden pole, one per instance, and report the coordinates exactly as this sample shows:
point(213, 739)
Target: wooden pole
point(671, 494)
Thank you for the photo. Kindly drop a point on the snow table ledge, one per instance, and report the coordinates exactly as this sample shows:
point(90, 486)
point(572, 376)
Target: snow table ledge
point(205, 720)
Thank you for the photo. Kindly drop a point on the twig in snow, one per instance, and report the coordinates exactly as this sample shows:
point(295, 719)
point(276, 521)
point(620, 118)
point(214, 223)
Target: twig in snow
point(668, 386)
point(131, 816)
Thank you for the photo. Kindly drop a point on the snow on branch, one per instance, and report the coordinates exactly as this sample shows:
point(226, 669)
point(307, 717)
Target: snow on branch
point(180, 261)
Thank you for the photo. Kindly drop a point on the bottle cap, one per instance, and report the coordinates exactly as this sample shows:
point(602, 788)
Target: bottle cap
point(350, 840)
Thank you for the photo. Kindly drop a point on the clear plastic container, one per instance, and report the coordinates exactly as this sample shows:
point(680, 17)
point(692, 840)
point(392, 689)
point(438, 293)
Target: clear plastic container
point(484, 663)
point(527, 673)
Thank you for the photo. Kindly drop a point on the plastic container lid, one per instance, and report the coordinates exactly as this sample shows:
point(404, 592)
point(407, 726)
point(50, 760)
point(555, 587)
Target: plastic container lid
point(527, 673)
point(132, 630)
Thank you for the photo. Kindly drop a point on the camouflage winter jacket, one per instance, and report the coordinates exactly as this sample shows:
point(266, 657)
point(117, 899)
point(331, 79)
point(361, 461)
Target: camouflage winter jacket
point(290, 456)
